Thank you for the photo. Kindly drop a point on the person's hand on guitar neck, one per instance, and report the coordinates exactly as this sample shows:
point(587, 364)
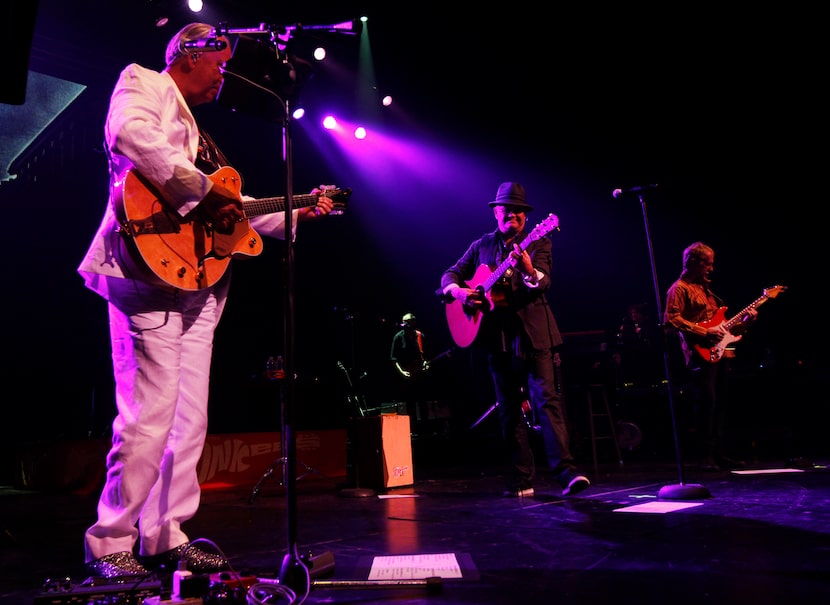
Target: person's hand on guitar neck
point(324, 206)
point(746, 321)
point(520, 260)
point(716, 334)
point(223, 209)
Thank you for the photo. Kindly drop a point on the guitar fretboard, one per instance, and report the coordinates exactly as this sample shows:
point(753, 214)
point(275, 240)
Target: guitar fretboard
point(540, 230)
point(269, 205)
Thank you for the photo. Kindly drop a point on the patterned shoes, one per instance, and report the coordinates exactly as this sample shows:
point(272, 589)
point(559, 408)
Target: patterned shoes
point(118, 565)
point(197, 560)
point(125, 565)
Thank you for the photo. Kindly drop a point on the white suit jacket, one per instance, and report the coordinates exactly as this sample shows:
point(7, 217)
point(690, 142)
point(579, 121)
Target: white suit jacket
point(150, 127)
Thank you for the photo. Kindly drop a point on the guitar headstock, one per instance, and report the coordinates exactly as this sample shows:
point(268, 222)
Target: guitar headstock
point(774, 291)
point(336, 195)
point(550, 223)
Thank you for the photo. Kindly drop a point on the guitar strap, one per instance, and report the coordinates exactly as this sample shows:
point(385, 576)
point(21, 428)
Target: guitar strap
point(209, 158)
point(717, 298)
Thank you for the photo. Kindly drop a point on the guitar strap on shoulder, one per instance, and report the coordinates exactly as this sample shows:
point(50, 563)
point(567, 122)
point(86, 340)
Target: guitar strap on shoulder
point(717, 298)
point(209, 157)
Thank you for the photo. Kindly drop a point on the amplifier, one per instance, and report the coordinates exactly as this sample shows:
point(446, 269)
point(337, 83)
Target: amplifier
point(381, 451)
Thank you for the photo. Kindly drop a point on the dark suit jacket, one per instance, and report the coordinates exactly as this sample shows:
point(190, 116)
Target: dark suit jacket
point(530, 305)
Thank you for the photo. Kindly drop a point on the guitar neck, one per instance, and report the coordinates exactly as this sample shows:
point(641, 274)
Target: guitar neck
point(503, 267)
point(269, 205)
point(737, 318)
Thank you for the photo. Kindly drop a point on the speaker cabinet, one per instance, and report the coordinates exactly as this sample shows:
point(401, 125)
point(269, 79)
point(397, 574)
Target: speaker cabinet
point(380, 451)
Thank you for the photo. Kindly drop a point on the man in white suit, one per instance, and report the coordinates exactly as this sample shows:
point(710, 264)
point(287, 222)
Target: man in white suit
point(162, 335)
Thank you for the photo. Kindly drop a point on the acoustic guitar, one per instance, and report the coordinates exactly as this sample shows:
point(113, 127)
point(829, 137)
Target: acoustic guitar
point(465, 320)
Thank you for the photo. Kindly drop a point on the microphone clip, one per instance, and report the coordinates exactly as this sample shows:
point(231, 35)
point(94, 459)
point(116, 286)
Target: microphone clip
point(641, 189)
point(205, 44)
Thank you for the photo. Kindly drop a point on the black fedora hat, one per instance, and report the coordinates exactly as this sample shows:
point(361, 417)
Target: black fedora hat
point(511, 194)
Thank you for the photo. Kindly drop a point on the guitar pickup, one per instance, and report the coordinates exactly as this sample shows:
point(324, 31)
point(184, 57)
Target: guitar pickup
point(157, 223)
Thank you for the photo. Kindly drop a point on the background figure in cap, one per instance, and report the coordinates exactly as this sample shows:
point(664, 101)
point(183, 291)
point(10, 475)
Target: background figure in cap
point(520, 336)
point(407, 356)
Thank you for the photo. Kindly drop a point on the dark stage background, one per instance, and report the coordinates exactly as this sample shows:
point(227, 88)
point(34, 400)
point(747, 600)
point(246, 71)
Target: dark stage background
point(724, 115)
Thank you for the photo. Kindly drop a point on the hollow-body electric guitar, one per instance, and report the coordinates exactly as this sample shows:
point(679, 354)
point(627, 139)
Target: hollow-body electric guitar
point(714, 353)
point(465, 320)
point(185, 251)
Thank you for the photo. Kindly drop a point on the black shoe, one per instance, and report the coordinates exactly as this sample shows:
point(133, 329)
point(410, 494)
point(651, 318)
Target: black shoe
point(577, 483)
point(118, 565)
point(572, 481)
point(196, 559)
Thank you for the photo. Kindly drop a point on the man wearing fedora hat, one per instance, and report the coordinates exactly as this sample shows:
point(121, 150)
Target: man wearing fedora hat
point(519, 333)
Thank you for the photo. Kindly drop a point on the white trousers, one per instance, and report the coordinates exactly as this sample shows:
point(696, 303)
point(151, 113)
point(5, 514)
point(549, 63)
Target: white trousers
point(162, 342)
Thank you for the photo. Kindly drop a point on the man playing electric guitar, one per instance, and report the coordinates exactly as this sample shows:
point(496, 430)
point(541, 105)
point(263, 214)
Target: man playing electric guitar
point(690, 305)
point(162, 336)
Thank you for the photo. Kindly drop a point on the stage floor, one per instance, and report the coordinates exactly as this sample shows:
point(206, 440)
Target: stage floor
point(757, 538)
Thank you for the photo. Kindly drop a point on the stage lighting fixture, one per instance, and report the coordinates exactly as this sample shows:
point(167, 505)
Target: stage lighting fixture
point(360, 133)
point(319, 53)
point(298, 113)
point(387, 101)
point(329, 122)
point(195, 6)
point(159, 12)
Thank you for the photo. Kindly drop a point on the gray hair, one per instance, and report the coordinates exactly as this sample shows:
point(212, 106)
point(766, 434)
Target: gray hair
point(193, 31)
point(695, 252)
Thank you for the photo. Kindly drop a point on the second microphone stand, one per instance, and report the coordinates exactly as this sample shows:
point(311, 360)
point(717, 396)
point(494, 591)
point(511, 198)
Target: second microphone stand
point(680, 490)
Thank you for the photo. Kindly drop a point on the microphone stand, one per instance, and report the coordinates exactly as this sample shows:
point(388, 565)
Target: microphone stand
point(290, 563)
point(294, 572)
point(300, 573)
point(680, 490)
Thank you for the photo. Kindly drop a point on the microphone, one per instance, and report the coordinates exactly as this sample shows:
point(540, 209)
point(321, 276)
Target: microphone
point(205, 44)
point(620, 192)
point(345, 25)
